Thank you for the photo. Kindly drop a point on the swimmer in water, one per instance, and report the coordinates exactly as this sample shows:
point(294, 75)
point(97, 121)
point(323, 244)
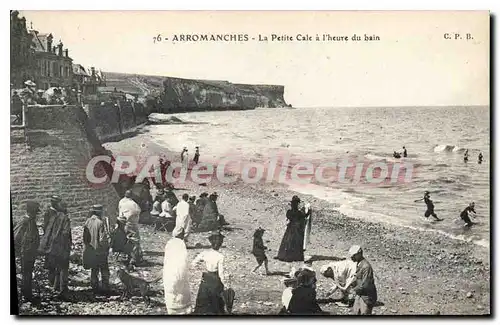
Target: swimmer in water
point(430, 206)
point(466, 155)
point(465, 215)
point(480, 158)
point(405, 154)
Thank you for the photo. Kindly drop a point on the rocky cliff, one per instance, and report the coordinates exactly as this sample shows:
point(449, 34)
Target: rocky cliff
point(181, 95)
point(185, 94)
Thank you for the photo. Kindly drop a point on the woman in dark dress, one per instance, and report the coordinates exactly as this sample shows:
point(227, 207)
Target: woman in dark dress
point(292, 244)
point(301, 300)
point(210, 299)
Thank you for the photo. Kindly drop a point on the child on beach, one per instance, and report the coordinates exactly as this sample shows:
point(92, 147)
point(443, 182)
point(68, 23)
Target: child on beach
point(259, 250)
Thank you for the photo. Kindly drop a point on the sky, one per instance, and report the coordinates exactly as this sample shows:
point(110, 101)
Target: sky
point(412, 64)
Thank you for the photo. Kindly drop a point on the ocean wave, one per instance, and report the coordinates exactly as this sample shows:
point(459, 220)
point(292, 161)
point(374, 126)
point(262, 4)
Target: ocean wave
point(451, 148)
point(445, 148)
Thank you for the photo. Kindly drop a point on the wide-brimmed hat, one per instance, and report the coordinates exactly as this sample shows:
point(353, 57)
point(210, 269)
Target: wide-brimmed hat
point(96, 208)
point(29, 83)
point(55, 198)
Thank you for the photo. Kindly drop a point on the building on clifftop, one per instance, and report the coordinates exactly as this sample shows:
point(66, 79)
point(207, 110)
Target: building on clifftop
point(53, 64)
point(22, 55)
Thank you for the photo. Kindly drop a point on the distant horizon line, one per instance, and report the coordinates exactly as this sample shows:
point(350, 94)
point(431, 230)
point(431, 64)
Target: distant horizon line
point(396, 106)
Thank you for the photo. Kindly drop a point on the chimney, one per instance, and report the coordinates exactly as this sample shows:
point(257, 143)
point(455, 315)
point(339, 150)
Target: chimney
point(66, 53)
point(60, 48)
point(49, 43)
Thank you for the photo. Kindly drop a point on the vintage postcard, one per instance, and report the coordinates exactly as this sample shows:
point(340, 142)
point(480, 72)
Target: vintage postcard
point(250, 163)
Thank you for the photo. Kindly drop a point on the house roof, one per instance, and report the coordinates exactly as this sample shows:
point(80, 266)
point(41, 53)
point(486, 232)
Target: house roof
point(40, 41)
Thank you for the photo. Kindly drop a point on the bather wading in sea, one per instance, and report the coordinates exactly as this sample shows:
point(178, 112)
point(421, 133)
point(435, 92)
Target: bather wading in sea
point(430, 206)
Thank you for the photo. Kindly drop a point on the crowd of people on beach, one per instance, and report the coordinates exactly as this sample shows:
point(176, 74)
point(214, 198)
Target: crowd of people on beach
point(51, 238)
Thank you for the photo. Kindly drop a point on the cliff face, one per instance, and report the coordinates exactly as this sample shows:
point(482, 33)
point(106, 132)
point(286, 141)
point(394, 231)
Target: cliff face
point(192, 95)
point(181, 95)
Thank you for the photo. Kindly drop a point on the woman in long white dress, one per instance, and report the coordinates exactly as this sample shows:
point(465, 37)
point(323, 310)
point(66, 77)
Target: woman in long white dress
point(176, 276)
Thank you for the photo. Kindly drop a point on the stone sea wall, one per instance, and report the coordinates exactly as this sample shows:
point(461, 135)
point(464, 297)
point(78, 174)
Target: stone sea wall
point(111, 120)
point(50, 157)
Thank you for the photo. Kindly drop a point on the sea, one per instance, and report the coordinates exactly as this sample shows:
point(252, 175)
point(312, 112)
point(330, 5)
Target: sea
point(435, 137)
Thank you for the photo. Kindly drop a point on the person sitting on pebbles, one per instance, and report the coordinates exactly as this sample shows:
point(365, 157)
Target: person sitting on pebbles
point(343, 274)
point(299, 298)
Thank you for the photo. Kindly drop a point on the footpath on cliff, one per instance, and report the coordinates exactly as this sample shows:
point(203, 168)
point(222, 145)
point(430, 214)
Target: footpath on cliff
point(416, 272)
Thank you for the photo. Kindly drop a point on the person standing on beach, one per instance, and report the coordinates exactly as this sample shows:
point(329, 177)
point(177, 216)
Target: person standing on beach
point(466, 155)
point(196, 155)
point(292, 245)
point(55, 244)
point(192, 210)
point(211, 219)
point(183, 219)
point(200, 206)
point(364, 289)
point(185, 157)
point(26, 242)
point(96, 243)
point(209, 300)
point(130, 211)
point(51, 211)
point(405, 153)
point(259, 250)
point(480, 158)
point(176, 275)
